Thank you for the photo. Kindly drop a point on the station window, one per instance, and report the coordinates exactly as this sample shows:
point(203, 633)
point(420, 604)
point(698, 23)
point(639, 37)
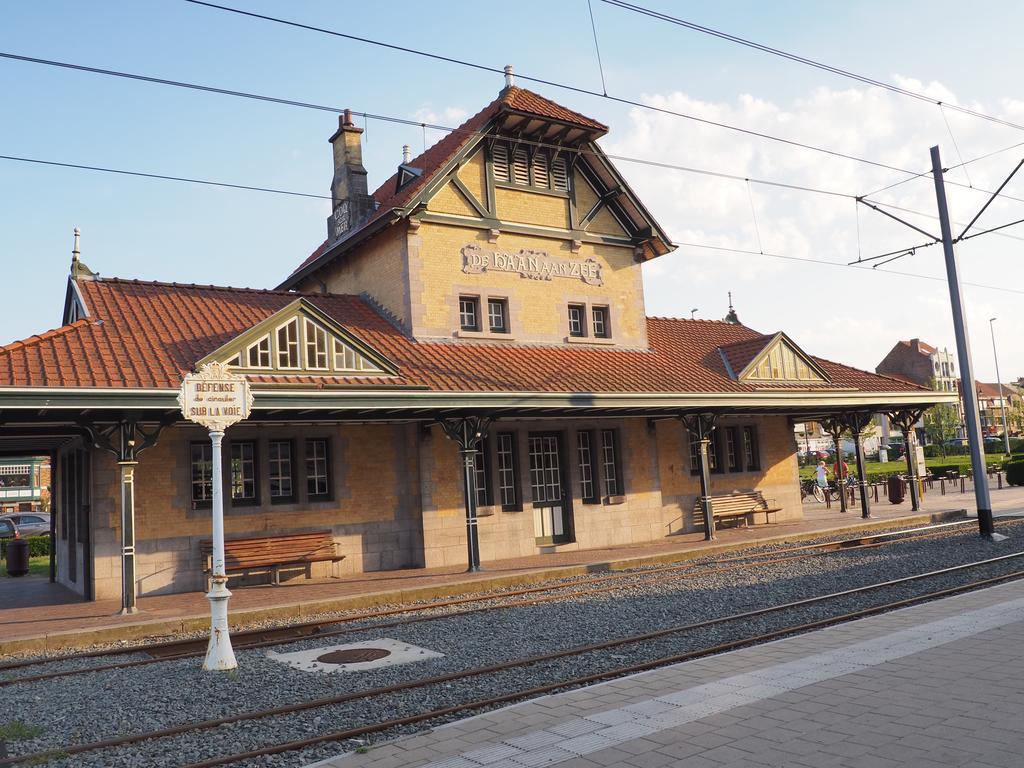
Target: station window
point(732, 454)
point(584, 452)
point(469, 313)
point(201, 460)
point(316, 346)
point(318, 485)
point(751, 448)
point(507, 483)
point(611, 470)
point(602, 328)
point(714, 453)
point(577, 320)
point(497, 315)
point(243, 473)
point(258, 354)
point(288, 344)
point(480, 475)
point(282, 487)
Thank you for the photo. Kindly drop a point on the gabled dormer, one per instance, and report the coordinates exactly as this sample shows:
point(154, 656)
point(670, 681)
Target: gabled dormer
point(301, 340)
point(771, 359)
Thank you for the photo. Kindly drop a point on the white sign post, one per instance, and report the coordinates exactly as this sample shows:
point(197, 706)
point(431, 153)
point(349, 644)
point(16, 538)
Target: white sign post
point(217, 398)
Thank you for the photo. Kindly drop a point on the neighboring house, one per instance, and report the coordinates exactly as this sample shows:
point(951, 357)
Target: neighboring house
point(24, 484)
point(926, 366)
point(991, 405)
point(490, 292)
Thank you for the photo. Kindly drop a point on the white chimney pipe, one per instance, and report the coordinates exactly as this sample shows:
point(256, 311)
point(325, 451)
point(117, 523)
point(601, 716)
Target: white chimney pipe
point(406, 154)
point(510, 79)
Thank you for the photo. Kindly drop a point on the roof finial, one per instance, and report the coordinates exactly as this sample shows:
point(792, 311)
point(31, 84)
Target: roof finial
point(732, 317)
point(406, 154)
point(78, 269)
point(510, 79)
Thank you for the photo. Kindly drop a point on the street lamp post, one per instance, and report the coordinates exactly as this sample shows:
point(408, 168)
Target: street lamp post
point(999, 381)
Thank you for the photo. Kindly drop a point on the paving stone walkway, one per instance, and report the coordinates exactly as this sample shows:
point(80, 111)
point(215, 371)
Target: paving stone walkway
point(940, 684)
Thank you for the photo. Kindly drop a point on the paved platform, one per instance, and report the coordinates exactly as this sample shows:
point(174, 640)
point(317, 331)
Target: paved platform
point(941, 684)
point(36, 616)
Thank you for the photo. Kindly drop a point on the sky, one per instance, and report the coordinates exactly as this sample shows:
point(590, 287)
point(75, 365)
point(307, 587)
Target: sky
point(794, 277)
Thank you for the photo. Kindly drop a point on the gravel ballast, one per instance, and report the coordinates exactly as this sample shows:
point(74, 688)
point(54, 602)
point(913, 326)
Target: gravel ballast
point(93, 706)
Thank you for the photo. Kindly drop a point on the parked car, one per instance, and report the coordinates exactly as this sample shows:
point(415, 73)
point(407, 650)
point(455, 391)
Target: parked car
point(8, 530)
point(30, 523)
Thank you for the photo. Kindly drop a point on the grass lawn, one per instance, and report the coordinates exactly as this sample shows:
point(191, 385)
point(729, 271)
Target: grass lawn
point(37, 566)
point(900, 465)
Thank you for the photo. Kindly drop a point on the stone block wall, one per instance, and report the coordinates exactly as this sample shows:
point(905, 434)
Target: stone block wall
point(777, 479)
point(373, 512)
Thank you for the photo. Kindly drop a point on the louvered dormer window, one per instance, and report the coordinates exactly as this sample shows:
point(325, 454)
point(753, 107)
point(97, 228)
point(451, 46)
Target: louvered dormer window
point(528, 166)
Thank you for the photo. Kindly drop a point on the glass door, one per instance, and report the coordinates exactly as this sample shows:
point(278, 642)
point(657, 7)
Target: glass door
point(550, 506)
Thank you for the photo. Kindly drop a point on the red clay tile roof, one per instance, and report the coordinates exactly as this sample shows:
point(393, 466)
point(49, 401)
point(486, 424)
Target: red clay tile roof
point(436, 157)
point(740, 353)
point(143, 334)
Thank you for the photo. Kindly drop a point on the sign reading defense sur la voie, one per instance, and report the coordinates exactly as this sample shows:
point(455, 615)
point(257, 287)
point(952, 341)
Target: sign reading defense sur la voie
point(215, 397)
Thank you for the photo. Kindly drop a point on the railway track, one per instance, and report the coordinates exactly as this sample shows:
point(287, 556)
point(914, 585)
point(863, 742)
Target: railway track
point(742, 618)
point(270, 637)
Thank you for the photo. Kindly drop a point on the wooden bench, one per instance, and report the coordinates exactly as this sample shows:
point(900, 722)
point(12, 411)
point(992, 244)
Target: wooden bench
point(273, 553)
point(738, 505)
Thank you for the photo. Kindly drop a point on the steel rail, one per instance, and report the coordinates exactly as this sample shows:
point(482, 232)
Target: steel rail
point(689, 568)
point(576, 651)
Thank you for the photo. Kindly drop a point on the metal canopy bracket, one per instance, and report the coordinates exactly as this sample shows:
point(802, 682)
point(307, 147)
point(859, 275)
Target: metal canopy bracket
point(467, 432)
point(857, 422)
point(126, 439)
point(700, 426)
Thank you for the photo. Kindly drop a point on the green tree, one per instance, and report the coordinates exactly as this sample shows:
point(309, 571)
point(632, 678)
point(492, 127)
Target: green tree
point(940, 425)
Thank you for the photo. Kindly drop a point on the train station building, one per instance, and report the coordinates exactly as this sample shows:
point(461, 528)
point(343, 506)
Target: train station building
point(463, 370)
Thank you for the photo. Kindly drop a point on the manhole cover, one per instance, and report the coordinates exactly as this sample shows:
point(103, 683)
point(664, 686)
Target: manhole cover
point(353, 656)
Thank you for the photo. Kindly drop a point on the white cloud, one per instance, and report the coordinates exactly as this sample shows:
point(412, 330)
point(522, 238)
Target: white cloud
point(850, 315)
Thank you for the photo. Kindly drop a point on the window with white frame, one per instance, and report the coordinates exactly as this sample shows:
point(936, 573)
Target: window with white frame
point(201, 463)
point(258, 354)
point(279, 471)
point(611, 470)
point(469, 313)
point(602, 327)
point(585, 456)
point(577, 320)
point(497, 315)
point(318, 486)
point(480, 475)
point(316, 346)
point(288, 344)
point(506, 452)
point(243, 473)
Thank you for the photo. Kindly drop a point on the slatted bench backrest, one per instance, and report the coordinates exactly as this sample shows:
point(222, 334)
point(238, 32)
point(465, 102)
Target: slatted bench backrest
point(274, 550)
point(739, 503)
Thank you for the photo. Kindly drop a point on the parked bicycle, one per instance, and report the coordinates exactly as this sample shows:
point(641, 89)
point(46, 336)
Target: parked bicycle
point(810, 487)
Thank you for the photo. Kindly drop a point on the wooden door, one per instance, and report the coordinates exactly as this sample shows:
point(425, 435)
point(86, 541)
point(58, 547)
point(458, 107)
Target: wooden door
point(551, 522)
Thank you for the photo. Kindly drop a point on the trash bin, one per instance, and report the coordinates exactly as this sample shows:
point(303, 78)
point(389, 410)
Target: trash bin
point(17, 557)
point(896, 489)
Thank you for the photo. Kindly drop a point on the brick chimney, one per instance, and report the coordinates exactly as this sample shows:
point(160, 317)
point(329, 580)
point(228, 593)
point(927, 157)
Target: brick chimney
point(351, 201)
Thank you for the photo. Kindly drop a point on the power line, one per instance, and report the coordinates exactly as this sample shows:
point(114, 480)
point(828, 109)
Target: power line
point(804, 60)
point(452, 129)
point(823, 262)
point(162, 177)
point(553, 84)
point(403, 121)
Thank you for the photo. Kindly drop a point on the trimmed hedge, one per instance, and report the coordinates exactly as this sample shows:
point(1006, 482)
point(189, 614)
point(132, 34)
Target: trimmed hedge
point(1015, 471)
point(38, 546)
